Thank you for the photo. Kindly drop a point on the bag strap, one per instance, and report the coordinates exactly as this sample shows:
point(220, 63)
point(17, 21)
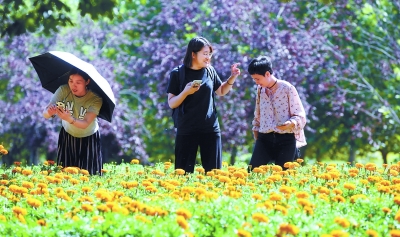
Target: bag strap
point(258, 101)
point(181, 76)
point(211, 74)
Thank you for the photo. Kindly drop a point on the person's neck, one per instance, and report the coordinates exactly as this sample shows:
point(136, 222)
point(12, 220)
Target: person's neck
point(273, 82)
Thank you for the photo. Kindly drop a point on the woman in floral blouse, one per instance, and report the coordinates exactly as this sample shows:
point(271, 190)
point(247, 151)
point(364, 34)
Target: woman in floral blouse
point(279, 117)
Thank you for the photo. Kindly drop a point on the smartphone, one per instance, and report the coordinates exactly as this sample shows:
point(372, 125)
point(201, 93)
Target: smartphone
point(196, 83)
point(60, 105)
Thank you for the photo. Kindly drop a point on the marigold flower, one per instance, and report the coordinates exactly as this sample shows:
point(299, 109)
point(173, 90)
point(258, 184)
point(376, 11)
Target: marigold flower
point(372, 233)
point(257, 196)
point(349, 186)
point(87, 207)
point(275, 197)
point(302, 194)
point(260, 217)
point(184, 212)
point(286, 228)
point(19, 211)
point(243, 233)
point(41, 222)
point(276, 168)
point(342, 222)
point(182, 222)
point(281, 209)
point(3, 218)
point(34, 202)
point(27, 172)
point(180, 172)
point(135, 161)
point(394, 233)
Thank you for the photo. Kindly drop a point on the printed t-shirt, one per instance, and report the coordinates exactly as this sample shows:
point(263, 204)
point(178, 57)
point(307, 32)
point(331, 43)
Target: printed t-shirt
point(78, 107)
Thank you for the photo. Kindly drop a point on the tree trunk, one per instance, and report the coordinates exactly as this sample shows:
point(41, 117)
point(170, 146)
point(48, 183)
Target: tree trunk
point(352, 155)
point(384, 156)
point(233, 155)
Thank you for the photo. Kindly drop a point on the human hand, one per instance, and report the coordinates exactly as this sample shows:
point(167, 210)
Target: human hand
point(235, 71)
point(52, 109)
point(255, 135)
point(190, 89)
point(285, 125)
point(63, 114)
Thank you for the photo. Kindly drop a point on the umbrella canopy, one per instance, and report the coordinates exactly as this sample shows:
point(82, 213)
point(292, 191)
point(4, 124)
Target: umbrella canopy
point(53, 69)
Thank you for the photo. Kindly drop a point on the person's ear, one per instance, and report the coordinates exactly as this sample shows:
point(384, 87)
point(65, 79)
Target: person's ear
point(267, 74)
point(87, 82)
point(193, 54)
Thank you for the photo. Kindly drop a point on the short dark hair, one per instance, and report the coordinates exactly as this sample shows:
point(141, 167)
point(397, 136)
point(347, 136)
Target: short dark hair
point(260, 66)
point(194, 46)
point(78, 71)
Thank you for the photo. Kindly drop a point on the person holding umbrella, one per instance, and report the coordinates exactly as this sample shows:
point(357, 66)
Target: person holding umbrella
point(78, 107)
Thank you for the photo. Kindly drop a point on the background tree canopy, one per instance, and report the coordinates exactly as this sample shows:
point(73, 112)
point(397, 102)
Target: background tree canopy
point(344, 59)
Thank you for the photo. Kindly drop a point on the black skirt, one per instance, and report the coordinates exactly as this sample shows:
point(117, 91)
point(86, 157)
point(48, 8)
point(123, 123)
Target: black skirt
point(81, 152)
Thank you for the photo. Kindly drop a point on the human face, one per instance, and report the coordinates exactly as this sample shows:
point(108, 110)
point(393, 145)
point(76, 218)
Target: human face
point(263, 81)
point(202, 58)
point(77, 85)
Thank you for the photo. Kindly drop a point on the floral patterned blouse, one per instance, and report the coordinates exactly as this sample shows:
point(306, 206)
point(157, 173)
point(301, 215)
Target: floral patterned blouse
point(277, 105)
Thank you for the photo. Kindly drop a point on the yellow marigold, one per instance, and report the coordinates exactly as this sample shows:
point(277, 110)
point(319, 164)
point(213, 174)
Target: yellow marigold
point(182, 222)
point(224, 164)
point(27, 184)
point(184, 212)
point(135, 161)
point(349, 186)
point(386, 210)
point(342, 222)
point(74, 181)
point(34, 202)
point(3, 218)
point(281, 209)
point(200, 170)
point(370, 166)
point(87, 207)
point(41, 222)
point(27, 172)
point(300, 161)
point(275, 197)
point(339, 233)
point(103, 208)
point(84, 172)
point(339, 198)
point(286, 228)
point(395, 233)
point(275, 177)
point(180, 172)
point(72, 170)
point(260, 217)
point(3, 151)
point(97, 219)
point(276, 168)
point(359, 165)
point(372, 233)
point(393, 173)
point(243, 233)
point(302, 194)
point(19, 211)
point(257, 196)
point(258, 170)
point(238, 174)
point(224, 179)
point(304, 202)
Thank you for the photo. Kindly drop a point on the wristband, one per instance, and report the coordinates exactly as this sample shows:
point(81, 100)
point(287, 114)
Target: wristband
point(73, 121)
point(229, 83)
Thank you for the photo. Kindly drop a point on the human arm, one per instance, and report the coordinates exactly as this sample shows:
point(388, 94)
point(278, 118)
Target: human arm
point(84, 123)
point(175, 101)
point(228, 84)
point(297, 119)
point(256, 120)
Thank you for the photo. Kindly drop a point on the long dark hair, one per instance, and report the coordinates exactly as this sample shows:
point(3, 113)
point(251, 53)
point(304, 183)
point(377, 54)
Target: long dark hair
point(194, 46)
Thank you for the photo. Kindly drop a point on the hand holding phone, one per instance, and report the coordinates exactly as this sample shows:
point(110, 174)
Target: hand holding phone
point(196, 83)
point(60, 105)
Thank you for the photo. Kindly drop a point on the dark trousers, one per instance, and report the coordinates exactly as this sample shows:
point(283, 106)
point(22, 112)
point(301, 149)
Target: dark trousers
point(82, 152)
point(273, 146)
point(186, 147)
